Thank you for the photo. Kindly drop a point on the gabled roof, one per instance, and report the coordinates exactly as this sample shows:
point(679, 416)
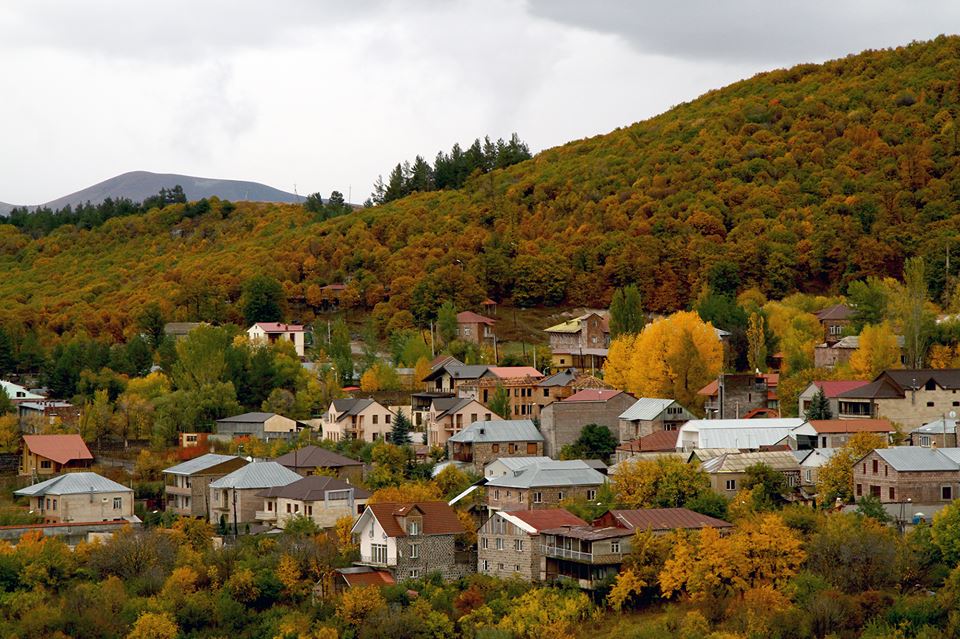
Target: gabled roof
point(365, 576)
point(665, 519)
point(593, 395)
point(277, 327)
point(59, 448)
point(439, 360)
point(739, 462)
point(937, 427)
point(588, 533)
point(73, 484)
point(469, 317)
point(18, 392)
point(562, 378)
point(835, 312)
point(919, 459)
point(457, 371)
point(503, 430)
point(646, 408)
point(451, 405)
point(506, 372)
point(315, 457)
point(533, 521)
point(199, 464)
point(880, 389)
point(825, 426)
point(312, 488)
point(833, 388)
point(350, 407)
point(661, 440)
point(257, 475)
point(517, 464)
point(438, 517)
point(553, 473)
point(248, 418)
point(894, 383)
point(772, 380)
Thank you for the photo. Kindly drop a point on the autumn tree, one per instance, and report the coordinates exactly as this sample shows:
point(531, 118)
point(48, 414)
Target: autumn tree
point(662, 483)
point(626, 312)
point(757, 344)
point(358, 603)
point(447, 322)
point(154, 625)
point(914, 315)
point(877, 352)
point(500, 402)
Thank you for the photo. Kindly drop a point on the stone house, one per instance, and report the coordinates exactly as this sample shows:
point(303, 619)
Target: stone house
point(187, 485)
point(831, 355)
point(503, 466)
point(364, 419)
point(311, 460)
point(581, 342)
point(941, 433)
point(485, 441)
point(543, 485)
point(521, 393)
point(412, 540)
point(810, 463)
point(47, 455)
point(271, 332)
point(906, 397)
point(509, 542)
point(562, 385)
point(898, 474)
point(659, 521)
point(235, 497)
point(834, 433)
point(831, 389)
point(476, 328)
point(321, 498)
point(741, 395)
point(589, 555)
point(649, 415)
point(561, 422)
point(834, 320)
point(728, 471)
point(449, 416)
point(265, 426)
point(79, 497)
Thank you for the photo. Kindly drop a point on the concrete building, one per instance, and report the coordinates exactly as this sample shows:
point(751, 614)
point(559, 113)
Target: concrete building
point(484, 441)
point(234, 498)
point(48, 455)
point(187, 485)
point(449, 416)
point(561, 422)
point(509, 543)
point(364, 419)
point(831, 389)
point(311, 460)
point(922, 476)
point(265, 426)
point(79, 497)
point(543, 485)
point(321, 498)
point(728, 471)
point(271, 332)
point(907, 397)
point(649, 415)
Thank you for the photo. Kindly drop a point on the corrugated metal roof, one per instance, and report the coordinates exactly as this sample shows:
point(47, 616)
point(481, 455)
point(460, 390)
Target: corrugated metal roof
point(663, 519)
point(315, 457)
point(73, 484)
point(562, 378)
point(197, 464)
point(553, 473)
point(533, 521)
point(776, 422)
point(593, 395)
point(312, 488)
point(937, 427)
point(646, 408)
point(588, 533)
point(739, 462)
point(255, 418)
point(917, 459)
point(257, 475)
point(59, 448)
point(503, 430)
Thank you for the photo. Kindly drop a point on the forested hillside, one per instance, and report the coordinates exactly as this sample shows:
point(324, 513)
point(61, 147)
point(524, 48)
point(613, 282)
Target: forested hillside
point(805, 179)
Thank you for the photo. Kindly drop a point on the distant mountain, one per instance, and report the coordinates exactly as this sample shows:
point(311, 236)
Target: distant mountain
point(139, 185)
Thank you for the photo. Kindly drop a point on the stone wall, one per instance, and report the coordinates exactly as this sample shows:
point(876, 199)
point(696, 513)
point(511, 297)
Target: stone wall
point(918, 408)
point(561, 422)
point(436, 553)
point(523, 498)
point(919, 487)
point(524, 564)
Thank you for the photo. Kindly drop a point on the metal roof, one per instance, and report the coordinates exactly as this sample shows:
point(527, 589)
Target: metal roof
point(739, 462)
point(553, 473)
point(313, 488)
point(348, 407)
point(257, 475)
point(533, 521)
point(315, 457)
point(646, 408)
point(918, 459)
point(663, 519)
point(73, 484)
point(562, 378)
point(736, 433)
point(937, 427)
point(588, 533)
point(503, 430)
point(197, 464)
point(248, 417)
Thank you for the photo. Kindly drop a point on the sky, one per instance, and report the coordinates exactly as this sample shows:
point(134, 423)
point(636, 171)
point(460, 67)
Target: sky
point(320, 96)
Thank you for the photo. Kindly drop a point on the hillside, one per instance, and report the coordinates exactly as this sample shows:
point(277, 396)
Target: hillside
point(139, 185)
point(805, 179)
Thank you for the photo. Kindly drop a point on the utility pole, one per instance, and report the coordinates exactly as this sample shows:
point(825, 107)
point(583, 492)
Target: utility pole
point(236, 530)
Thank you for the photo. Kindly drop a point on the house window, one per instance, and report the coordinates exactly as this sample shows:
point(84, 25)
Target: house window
point(520, 496)
point(414, 573)
point(538, 498)
point(512, 448)
point(876, 467)
point(289, 508)
point(495, 448)
point(546, 392)
point(388, 418)
point(375, 418)
point(731, 484)
point(560, 495)
point(496, 494)
point(924, 440)
point(473, 417)
point(531, 448)
point(875, 491)
point(930, 385)
point(891, 493)
point(414, 551)
point(929, 404)
point(308, 510)
point(485, 566)
point(378, 553)
point(946, 493)
point(614, 546)
point(591, 495)
point(859, 490)
point(499, 544)
point(296, 508)
point(269, 506)
point(484, 545)
point(509, 494)
point(499, 566)
point(44, 463)
point(117, 503)
point(413, 527)
point(518, 545)
point(808, 476)
point(886, 470)
point(516, 568)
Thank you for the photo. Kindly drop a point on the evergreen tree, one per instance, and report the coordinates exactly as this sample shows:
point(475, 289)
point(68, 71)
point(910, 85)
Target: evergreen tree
point(314, 203)
point(447, 322)
point(819, 406)
point(6, 406)
point(152, 322)
point(400, 433)
point(500, 402)
point(262, 300)
point(626, 312)
point(8, 362)
point(339, 351)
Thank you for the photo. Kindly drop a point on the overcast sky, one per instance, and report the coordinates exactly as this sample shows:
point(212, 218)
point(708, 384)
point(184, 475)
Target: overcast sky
point(326, 95)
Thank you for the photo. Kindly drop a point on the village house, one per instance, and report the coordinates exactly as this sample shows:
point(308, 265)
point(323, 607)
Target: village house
point(521, 393)
point(543, 485)
point(450, 374)
point(412, 540)
point(484, 441)
point(322, 499)
point(741, 395)
point(561, 422)
point(941, 433)
point(79, 497)
point(563, 384)
point(364, 419)
point(649, 415)
point(47, 455)
point(35, 415)
point(509, 542)
point(503, 466)
point(265, 426)
point(475, 328)
point(187, 485)
point(744, 434)
point(17, 394)
point(906, 397)
point(831, 390)
point(834, 320)
point(235, 497)
point(314, 460)
point(589, 555)
point(271, 332)
point(922, 476)
point(179, 330)
point(834, 433)
point(834, 354)
point(449, 416)
point(581, 342)
point(661, 441)
point(420, 407)
point(727, 472)
point(810, 463)
point(659, 521)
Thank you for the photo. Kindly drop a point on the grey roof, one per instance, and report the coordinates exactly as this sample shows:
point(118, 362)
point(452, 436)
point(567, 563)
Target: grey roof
point(917, 459)
point(447, 405)
point(456, 370)
point(502, 430)
point(739, 462)
point(312, 488)
point(315, 457)
point(347, 407)
point(646, 408)
point(562, 378)
point(518, 463)
point(248, 417)
point(257, 475)
point(195, 465)
point(73, 484)
point(937, 427)
point(553, 473)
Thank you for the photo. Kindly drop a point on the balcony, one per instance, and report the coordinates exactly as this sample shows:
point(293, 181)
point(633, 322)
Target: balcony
point(178, 490)
point(580, 556)
point(367, 560)
point(266, 515)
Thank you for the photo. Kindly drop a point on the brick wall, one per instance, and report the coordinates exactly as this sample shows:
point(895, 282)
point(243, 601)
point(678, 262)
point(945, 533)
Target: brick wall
point(920, 487)
point(523, 563)
point(561, 422)
point(523, 498)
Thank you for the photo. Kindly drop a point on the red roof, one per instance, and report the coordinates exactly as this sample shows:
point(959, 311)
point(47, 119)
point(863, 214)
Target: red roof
point(660, 441)
point(761, 413)
point(277, 327)
point(507, 372)
point(593, 395)
point(59, 448)
point(334, 287)
point(824, 426)
point(371, 578)
point(710, 389)
point(548, 518)
point(488, 302)
point(438, 518)
point(660, 519)
point(833, 389)
point(469, 317)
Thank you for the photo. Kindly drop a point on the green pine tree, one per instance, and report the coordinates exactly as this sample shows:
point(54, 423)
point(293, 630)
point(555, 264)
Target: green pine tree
point(500, 402)
point(820, 406)
point(626, 312)
point(400, 433)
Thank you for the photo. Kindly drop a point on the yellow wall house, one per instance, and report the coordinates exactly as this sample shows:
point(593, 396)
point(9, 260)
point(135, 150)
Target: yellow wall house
point(47, 455)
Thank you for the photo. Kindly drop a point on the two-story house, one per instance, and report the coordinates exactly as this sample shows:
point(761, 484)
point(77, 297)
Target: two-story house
point(728, 471)
point(907, 397)
point(834, 433)
point(187, 485)
point(450, 374)
point(509, 542)
point(364, 419)
point(741, 395)
point(581, 342)
point(543, 485)
point(235, 497)
point(834, 320)
point(79, 497)
point(563, 384)
point(831, 390)
point(900, 474)
point(649, 415)
point(412, 540)
point(450, 415)
point(475, 328)
point(321, 498)
point(521, 391)
point(265, 426)
point(47, 455)
point(660, 521)
point(588, 555)
point(270, 332)
point(561, 422)
point(484, 441)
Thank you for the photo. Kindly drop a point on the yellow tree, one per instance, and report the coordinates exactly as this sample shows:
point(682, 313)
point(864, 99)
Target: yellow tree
point(757, 344)
point(421, 370)
point(154, 625)
point(617, 366)
point(835, 477)
point(358, 603)
point(628, 583)
point(878, 351)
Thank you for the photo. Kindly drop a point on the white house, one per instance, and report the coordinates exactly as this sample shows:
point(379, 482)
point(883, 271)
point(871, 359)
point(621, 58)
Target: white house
point(365, 419)
point(270, 332)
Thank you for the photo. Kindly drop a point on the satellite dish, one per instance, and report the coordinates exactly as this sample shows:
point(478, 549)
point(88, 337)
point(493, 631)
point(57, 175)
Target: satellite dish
point(952, 414)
